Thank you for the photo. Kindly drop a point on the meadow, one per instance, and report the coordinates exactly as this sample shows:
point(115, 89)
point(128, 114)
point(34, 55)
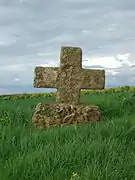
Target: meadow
point(98, 151)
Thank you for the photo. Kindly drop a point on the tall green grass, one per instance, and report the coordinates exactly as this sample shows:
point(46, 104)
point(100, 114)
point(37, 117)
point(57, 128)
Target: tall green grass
point(99, 151)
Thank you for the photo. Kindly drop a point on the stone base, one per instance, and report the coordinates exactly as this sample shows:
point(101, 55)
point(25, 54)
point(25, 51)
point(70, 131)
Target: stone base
point(59, 114)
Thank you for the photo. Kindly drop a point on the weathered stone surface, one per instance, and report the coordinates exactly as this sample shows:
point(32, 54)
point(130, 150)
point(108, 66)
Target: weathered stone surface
point(45, 77)
point(69, 78)
point(59, 114)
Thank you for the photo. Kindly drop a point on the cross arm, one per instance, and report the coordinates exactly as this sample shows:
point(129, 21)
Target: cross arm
point(93, 79)
point(45, 77)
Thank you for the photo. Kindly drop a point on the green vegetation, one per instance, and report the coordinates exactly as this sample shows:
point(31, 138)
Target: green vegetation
point(99, 151)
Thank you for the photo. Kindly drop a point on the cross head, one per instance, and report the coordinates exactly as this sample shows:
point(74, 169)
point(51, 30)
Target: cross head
point(69, 78)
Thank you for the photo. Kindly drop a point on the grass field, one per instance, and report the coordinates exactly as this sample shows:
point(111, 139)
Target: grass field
point(101, 151)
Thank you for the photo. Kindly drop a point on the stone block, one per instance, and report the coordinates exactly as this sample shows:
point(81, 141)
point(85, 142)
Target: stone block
point(59, 114)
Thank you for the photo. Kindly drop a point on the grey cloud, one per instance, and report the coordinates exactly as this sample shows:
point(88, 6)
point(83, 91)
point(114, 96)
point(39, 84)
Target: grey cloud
point(32, 27)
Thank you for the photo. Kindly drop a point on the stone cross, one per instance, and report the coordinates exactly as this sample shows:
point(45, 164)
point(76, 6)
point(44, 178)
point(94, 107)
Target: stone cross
point(69, 78)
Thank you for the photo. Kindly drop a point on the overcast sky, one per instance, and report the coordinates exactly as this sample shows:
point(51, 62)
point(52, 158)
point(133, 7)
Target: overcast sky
point(33, 31)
